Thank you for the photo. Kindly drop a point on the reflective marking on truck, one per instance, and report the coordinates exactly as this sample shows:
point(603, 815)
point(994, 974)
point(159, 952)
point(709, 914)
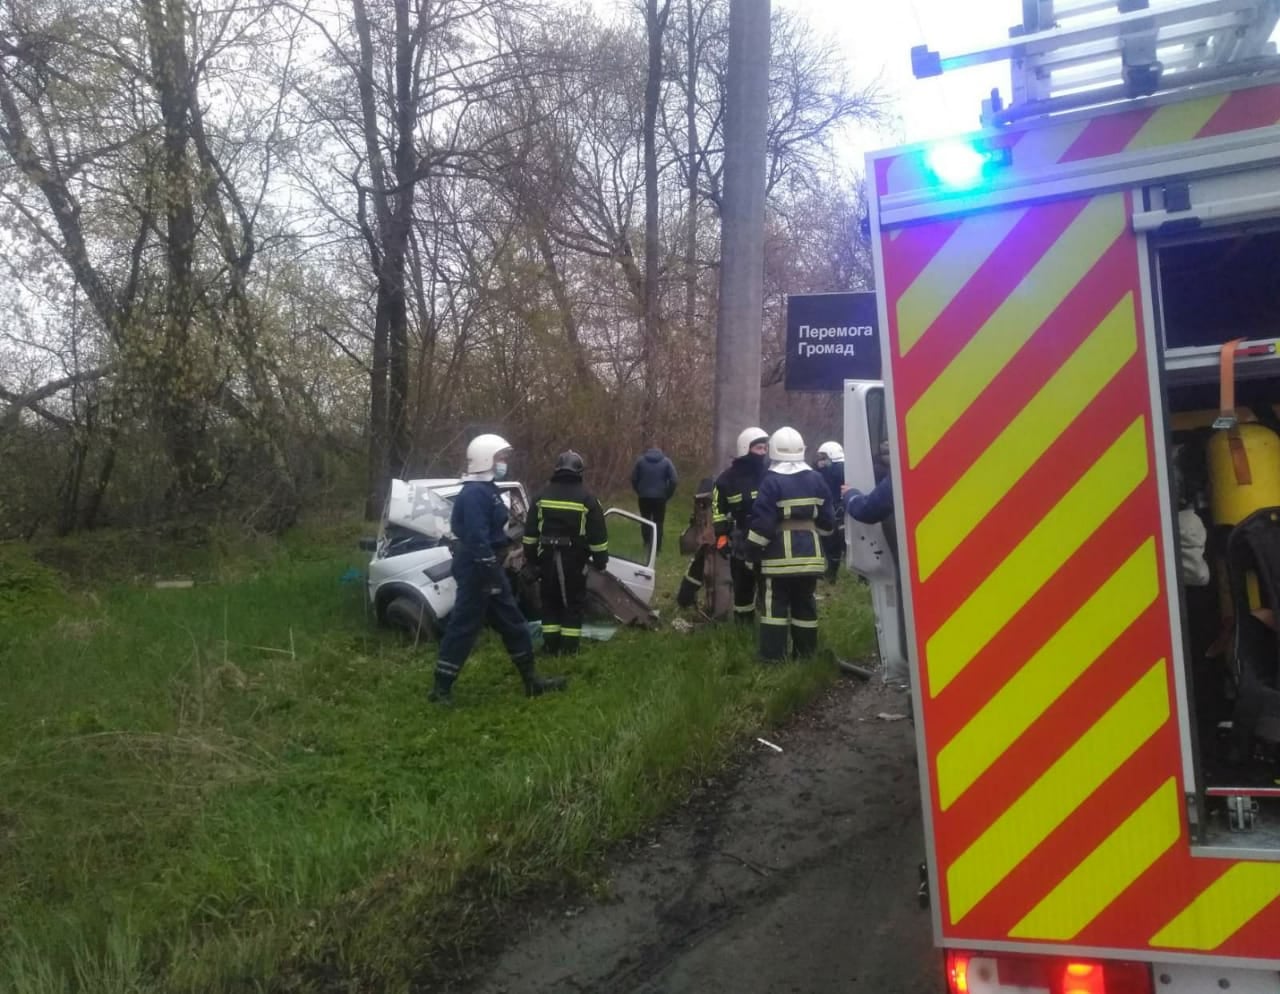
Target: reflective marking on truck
point(1062, 788)
point(1222, 908)
point(948, 271)
point(1036, 296)
point(1108, 871)
point(1041, 148)
point(1015, 580)
point(1175, 123)
point(1114, 606)
point(1069, 391)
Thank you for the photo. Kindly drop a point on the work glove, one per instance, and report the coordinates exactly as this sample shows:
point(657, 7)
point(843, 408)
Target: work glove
point(722, 546)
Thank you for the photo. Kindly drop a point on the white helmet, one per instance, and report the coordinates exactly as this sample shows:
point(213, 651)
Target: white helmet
point(750, 437)
point(482, 453)
point(786, 445)
point(832, 450)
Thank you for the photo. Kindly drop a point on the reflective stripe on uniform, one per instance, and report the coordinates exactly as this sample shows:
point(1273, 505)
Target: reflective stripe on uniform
point(801, 623)
point(602, 547)
point(573, 506)
point(551, 629)
point(572, 633)
point(757, 538)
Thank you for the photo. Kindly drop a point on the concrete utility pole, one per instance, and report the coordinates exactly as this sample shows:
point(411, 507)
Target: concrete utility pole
point(738, 324)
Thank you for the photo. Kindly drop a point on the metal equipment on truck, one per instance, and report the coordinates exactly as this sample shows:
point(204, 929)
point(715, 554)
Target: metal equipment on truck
point(1081, 306)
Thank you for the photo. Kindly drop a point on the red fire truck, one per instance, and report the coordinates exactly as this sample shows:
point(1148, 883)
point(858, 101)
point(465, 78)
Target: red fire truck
point(1080, 305)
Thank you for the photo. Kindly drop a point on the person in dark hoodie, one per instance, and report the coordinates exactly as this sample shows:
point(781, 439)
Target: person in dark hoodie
point(654, 480)
point(565, 530)
point(734, 494)
point(478, 523)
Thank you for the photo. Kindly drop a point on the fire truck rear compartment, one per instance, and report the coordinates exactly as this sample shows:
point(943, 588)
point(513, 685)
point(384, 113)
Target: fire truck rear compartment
point(1212, 288)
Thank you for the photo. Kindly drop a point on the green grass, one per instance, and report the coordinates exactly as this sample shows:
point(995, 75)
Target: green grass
point(241, 787)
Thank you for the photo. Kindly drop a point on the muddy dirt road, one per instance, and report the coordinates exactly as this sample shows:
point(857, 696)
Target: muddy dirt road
point(794, 872)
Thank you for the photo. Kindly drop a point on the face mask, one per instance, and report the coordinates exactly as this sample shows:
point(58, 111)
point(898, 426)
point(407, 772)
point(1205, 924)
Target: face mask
point(499, 471)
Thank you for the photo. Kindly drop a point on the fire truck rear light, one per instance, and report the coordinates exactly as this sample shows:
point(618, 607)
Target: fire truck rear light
point(986, 973)
point(957, 973)
point(1083, 978)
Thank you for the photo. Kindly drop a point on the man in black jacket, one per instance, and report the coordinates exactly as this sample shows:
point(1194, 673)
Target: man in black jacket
point(564, 530)
point(735, 493)
point(653, 478)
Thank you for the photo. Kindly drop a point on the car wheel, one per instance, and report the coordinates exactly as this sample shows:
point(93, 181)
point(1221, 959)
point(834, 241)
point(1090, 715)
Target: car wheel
point(412, 617)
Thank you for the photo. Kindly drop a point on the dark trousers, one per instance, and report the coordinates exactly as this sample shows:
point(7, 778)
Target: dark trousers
point(475, 606)
point(833, 549)
point(654, 509)
point(788, 607)
point(562, 612)
point(744, 590)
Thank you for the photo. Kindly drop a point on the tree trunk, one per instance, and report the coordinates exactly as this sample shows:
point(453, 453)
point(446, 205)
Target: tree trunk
point(738, 324)
point(691, 175)
point(396, 249)
point(166, 35)
point(379, 434)
point(93, 506)
point(655, 24)
point(387, 236)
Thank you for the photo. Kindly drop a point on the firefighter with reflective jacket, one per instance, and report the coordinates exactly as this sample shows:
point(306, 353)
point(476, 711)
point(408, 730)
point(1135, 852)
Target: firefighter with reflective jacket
point(478, 523)
point(731, 501)
point(789, 518)
point(564, 530)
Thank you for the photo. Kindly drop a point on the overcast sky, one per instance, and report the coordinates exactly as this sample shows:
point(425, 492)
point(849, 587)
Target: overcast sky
point(876, 37)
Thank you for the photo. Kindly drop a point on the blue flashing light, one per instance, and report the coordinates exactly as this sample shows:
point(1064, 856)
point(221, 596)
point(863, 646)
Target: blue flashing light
point(956, 164)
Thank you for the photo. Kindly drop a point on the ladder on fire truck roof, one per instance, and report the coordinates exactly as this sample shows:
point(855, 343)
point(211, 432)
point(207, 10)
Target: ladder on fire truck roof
point(1071, 54)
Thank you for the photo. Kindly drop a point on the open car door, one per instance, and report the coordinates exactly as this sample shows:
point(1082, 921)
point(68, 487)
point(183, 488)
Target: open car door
point(871, 550)
point(632, 557)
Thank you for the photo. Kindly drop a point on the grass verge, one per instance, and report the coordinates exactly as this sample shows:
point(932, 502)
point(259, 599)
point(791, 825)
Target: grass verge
point(240, 787)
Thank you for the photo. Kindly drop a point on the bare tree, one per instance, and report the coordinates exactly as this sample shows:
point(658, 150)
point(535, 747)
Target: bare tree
point(656, 17)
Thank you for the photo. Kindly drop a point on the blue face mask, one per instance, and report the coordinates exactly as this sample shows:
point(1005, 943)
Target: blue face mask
point(499, 471)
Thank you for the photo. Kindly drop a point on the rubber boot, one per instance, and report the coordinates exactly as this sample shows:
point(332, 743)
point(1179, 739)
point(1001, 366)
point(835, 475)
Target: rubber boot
point(442, 691)
point(534, 685)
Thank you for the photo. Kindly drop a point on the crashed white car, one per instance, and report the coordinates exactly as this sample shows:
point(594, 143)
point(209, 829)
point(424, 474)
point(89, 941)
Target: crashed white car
point(411, 585)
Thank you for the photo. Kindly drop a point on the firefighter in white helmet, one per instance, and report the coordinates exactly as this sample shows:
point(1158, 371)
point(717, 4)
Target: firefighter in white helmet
point(478, 523)
point(791, 514)
point(734, 493)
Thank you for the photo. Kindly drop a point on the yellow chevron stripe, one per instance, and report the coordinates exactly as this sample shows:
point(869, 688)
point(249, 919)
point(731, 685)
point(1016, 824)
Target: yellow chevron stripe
point(1035, 559)
point(1223, 908)
point(1039, 294)
point(1043, 147)
point(985, 483)
point(1114, 606)
point(1107, 871)
point(1175, 123)
point(948, 271)
point(1064, 787)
